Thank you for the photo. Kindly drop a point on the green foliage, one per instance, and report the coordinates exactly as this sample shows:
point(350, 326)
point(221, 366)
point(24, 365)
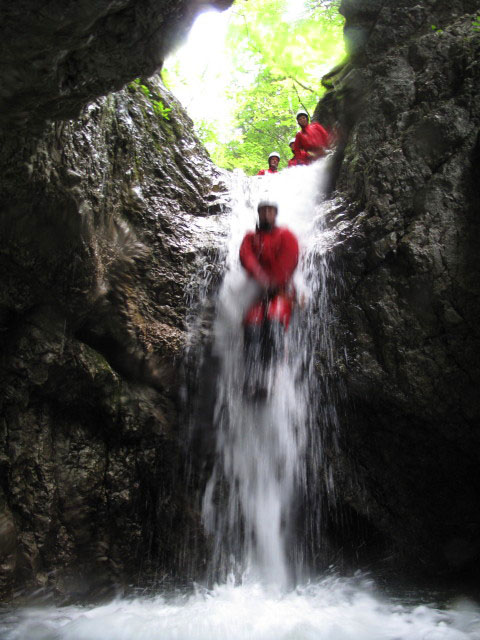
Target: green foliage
point(436, 29)
point(322, 10)
point(265, 121)
point(285, 60)
point(278, 52)
point(476, 23)
point(158, 107)
point(206, 131)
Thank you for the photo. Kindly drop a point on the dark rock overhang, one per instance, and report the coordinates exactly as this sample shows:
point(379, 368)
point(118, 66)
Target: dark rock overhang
point(58, 56)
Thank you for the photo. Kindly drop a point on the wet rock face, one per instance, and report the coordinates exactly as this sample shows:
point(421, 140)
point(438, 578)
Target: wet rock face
point(59, 56)
point(102, 221)
point(409, 109)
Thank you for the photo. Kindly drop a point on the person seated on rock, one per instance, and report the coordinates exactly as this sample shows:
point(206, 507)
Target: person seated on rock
point(273, 160)
point(270, 256)
point(300, 158)
point(311, 141)
point(292, 162)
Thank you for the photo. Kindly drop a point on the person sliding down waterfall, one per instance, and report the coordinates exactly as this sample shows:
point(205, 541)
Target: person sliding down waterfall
point(270, 256)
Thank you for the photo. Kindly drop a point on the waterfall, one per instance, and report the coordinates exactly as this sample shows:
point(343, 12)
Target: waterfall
point(262, 501)
point(250, 506)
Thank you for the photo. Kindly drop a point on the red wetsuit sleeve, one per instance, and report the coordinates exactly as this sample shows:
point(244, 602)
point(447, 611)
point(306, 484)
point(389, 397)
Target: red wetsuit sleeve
point(318, 136)
point(301, 156)
point(261, 172)
point(297, 145)
point(287, 258)
point(250, 261)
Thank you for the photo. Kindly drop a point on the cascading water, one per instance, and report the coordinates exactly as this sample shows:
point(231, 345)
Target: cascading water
point(269, 460)
point(260, 473)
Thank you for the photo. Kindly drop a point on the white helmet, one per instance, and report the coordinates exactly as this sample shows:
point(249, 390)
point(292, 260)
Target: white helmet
point(266, 203)
point(292, 140)
point(302, 112)
point(274, 154)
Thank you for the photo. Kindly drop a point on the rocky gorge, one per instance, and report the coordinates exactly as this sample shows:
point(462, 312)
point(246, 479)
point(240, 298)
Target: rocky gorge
point(407, 103)
point(100, 198)
point(105, 208)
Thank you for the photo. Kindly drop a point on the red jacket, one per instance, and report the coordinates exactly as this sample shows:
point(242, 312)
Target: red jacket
point(262, 172)
point(312, 138)
point(301, 158)
point(270, 257)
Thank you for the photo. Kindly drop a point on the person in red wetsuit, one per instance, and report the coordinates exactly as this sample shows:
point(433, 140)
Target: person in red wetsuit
point(311, 141)
point(300, 157)
point(273, 160)
point(293, 161)
point(270, 256)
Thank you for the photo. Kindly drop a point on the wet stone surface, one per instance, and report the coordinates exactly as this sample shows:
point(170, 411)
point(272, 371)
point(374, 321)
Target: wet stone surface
point(99, 253)
point(102, 224)
point(409, 112)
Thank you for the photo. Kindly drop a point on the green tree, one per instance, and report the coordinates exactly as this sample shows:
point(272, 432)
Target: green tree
point(278, 58)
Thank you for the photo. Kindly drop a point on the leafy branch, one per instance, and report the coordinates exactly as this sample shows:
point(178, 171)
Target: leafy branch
point(158, 107)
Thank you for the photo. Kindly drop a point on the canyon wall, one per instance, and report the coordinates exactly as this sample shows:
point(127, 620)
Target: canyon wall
point(105, 199)
point(407, 107)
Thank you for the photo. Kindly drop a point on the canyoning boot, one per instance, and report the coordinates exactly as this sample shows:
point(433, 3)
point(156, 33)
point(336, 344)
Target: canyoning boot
point(256, 383)
point(275, 341)
point(258, 352)
point(255, 388)
point(260, 395)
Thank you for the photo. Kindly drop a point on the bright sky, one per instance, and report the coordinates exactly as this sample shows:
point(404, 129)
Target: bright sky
point(201, 71)
point(205, 67)
point(294, 10)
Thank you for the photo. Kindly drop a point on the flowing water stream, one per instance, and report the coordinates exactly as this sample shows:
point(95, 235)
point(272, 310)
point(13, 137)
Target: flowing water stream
point(251, 504)
point(261, 505)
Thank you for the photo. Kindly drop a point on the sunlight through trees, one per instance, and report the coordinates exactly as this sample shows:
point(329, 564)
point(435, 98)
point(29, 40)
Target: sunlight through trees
point(267, 64)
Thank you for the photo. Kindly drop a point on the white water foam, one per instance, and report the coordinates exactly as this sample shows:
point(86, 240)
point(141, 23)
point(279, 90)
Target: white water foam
point(263, 607)
point(334, 609)
point(249, 504)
